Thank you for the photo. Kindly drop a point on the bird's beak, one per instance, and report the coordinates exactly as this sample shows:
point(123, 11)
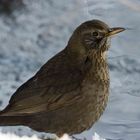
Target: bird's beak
point(114, 31)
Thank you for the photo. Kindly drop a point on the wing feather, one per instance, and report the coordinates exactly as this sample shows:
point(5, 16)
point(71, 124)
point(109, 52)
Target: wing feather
point(55, 85)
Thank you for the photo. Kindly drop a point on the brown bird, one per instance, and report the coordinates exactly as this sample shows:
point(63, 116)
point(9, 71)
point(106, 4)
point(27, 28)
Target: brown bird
point(70, 92)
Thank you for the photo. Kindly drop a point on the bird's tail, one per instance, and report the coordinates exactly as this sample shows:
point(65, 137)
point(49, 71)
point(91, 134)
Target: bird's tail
point(13, 120)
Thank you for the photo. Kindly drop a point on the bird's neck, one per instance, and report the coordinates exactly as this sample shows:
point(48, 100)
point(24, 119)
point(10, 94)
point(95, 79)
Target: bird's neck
point(77, 54)
point(99, 68)
point(98, 56)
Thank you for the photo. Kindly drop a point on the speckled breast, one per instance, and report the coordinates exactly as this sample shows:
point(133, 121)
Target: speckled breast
point(96, 91)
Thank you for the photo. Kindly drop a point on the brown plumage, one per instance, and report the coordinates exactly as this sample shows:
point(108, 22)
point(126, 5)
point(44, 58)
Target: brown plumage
point(69, 93)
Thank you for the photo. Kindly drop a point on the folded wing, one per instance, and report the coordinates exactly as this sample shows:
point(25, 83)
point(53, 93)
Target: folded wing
point(56, 85)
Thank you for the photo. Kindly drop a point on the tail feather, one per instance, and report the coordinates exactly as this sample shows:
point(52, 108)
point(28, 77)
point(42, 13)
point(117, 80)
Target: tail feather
point(14, 120)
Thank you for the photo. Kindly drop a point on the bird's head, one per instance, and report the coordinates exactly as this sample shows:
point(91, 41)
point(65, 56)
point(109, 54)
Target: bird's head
point(92, 35)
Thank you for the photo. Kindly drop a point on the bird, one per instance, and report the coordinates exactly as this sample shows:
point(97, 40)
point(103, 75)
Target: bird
point(70, 92)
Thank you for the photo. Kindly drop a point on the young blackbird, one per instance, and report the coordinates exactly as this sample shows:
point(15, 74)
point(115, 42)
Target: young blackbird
point(70, 92)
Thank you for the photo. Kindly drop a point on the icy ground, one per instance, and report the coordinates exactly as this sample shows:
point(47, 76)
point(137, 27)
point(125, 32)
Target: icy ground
point(30, 36)
point(9, 136)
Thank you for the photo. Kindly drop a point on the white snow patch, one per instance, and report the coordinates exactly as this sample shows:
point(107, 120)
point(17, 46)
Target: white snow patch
point(11, 136)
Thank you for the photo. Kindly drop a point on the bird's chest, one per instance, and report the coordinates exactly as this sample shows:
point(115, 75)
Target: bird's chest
point(96, 89)
point(96, 79)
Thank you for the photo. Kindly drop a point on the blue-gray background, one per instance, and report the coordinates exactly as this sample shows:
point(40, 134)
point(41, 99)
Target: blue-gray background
point(33, 34)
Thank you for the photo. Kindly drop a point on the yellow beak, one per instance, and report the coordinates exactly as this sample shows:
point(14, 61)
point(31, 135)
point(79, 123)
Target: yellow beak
point(114, 31)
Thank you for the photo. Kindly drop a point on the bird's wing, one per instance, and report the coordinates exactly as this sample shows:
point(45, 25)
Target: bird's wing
point(55, 85)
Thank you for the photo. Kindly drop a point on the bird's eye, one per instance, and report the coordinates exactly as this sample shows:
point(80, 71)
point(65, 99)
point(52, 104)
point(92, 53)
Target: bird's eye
point(95, 34)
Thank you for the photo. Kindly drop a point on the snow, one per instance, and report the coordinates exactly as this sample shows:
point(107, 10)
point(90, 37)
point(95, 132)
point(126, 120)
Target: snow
point(10, 136)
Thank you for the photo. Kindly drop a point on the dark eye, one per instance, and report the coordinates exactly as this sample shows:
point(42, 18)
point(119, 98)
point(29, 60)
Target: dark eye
point(95, 34)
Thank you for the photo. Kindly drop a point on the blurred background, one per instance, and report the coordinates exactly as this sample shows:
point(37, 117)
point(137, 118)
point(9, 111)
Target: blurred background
point(32, 31)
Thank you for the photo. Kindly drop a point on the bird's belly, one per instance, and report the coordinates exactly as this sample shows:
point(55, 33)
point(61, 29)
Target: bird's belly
point(86, 112)
point(77, 117)
point(96, 99)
